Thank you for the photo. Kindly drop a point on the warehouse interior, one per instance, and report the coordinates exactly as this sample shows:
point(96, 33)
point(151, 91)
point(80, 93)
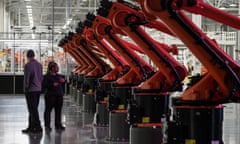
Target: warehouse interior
point(137, 71)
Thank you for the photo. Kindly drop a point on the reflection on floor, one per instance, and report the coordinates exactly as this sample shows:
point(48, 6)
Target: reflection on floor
point(79, 128)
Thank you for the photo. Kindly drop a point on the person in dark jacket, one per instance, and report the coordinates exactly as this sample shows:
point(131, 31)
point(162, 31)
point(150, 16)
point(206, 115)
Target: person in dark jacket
point(32, 88)
point(53, 85)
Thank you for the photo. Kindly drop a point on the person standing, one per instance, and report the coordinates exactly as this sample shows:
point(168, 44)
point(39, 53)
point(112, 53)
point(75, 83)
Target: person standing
point(53, 85)
point(32, 87)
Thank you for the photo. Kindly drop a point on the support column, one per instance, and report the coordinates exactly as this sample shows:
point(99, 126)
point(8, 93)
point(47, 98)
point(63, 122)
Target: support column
point(237, 56)
point(2, 21)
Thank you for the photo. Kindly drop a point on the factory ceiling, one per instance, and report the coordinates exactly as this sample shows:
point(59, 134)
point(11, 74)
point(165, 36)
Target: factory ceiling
point(61, 16)
point(45, 15)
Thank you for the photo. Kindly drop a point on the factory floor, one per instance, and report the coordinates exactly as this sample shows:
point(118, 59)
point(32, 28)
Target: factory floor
point(79, 124)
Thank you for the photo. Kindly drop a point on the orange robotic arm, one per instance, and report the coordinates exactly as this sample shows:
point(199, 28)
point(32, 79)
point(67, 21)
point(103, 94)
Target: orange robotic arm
point(101, 67)
point(85, 64)
point(171, 72)
point(89, 64)
point(104, 66)
point(221, 83)
point(199, 7)
point(139, 68)
point(120, 65)
point(79, 59)
point(77, 51)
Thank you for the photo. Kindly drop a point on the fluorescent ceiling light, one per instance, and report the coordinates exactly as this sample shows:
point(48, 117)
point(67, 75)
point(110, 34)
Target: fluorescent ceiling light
point(30, 44)
point(33, 36)
point(21, 40)
point(69, 21)
point(29, 10)
point(65, 26)
point(28, 6)
point(232, 5)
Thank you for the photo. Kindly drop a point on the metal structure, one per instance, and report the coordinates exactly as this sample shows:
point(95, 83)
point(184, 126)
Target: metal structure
point(60, 16)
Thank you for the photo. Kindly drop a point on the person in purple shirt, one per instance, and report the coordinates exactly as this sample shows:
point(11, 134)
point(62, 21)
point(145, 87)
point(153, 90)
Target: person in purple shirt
point(32, 88)
point(53, 85)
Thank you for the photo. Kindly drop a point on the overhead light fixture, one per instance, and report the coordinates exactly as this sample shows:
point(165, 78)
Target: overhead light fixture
point(28, 6)
point(30, 44)
point(232, 5)
point(29, 10)
point(22, 40)
point(222, 8)
point(33, 36)
point(65, 26)
point(69, 21)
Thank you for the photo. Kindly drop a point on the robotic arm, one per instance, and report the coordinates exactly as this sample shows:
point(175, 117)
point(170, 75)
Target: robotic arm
point(139, 68)
point(120, 65)
point(221, 84)
point(80, 52)
point(101, 67)
point(85, 64)
point(199, 7)
point(129, 20)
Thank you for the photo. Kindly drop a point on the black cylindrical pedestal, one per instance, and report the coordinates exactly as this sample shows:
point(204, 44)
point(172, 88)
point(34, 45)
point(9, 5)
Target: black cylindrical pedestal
point(118, 127)
point(89, 103)
point(146, 135)
point(119, 96)
point(200, 125)
point(102, 117)
point(74, 93)
point(70, 90)
point(155, 107)
point(89, 84)
point(79, 97)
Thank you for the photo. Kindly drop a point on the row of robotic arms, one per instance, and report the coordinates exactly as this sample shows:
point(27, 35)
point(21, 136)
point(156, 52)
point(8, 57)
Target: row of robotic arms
point(142, 90)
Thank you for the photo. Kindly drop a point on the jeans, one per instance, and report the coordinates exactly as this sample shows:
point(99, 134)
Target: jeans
point(56, 103)
point(32, 99)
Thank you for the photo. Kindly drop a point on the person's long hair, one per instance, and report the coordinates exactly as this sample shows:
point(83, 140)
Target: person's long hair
point(51, 66)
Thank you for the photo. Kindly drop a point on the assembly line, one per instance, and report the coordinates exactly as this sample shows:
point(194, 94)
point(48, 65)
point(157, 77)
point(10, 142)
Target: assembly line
point(136, 94)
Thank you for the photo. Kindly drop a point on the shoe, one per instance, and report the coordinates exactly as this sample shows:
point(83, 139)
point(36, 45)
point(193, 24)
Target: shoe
point(37, 130)
point(48, 129)
point(61, 127)
point(27, 130)
point(32, 130)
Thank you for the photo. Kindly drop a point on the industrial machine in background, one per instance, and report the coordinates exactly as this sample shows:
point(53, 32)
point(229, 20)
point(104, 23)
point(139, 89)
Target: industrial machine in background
point(198, 112)
point(150, 106)
point(139, 94)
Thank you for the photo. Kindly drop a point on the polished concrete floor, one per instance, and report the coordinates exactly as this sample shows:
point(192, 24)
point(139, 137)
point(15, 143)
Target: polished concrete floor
point(79, 127)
